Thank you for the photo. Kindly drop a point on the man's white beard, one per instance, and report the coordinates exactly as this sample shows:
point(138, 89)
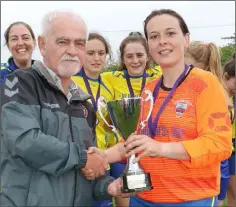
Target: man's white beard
point(68, 70)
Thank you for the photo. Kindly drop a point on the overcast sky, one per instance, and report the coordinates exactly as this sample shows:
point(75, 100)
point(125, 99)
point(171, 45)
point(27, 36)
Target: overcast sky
point(207, 20)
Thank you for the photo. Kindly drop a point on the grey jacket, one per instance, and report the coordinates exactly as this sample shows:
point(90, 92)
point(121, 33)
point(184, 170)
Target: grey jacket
point(44, 138)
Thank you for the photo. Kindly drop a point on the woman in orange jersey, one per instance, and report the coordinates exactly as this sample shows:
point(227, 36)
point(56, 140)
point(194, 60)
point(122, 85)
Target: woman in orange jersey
point(207, 57)
point(189, 132)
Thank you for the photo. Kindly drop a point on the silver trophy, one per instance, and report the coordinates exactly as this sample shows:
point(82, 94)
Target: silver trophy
point(125, 114)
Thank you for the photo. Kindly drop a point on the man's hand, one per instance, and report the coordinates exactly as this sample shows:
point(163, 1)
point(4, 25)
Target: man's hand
point(97, 151)
point(110, 155)
point(114, 189)
point(96, 165)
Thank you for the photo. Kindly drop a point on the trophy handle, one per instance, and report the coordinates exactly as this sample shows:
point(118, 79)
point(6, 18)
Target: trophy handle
point(149, 97)
point(100, 99)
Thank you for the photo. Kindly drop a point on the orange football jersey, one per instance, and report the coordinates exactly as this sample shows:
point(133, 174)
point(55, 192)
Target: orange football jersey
point(197, 116)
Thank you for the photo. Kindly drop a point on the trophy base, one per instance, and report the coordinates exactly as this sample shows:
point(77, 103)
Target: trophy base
point(136, 182)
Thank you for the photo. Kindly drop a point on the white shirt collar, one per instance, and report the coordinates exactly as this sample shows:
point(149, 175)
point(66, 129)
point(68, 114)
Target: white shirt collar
point(73, 86)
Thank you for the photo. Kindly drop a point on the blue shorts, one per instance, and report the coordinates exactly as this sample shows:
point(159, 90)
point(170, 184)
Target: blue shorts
point(232, 169)
point(224, 179)
point(117, 169)
point(138, 202)
point(105, 203)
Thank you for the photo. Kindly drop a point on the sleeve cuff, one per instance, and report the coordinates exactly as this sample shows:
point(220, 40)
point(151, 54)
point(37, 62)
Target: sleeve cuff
point(83, 158)
point(187, 163)
point(100, 190)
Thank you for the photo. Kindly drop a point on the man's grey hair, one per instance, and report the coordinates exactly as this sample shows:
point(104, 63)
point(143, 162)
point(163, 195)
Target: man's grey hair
point(49, 17)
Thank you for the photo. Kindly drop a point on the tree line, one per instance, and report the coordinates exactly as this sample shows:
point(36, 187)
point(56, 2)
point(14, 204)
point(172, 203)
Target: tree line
point(226, 53)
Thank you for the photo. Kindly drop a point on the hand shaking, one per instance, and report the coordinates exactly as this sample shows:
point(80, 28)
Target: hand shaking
point(96, 164)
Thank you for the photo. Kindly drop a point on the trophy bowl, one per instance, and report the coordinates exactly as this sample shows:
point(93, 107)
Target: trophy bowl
point(125, 114)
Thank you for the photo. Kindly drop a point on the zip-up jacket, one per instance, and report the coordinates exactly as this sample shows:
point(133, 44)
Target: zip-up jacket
point(44, 138)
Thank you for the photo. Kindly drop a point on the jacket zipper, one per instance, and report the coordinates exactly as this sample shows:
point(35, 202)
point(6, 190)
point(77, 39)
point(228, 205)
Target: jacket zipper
point(3, 194)
point(73, 140)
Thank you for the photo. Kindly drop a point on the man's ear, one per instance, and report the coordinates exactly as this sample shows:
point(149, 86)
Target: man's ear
point(42, 45)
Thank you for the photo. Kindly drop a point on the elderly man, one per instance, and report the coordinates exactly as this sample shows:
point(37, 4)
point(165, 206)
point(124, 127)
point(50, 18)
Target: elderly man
point(47, 125)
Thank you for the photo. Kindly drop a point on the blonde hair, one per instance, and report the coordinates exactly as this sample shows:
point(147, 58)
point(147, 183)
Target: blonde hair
point(208, 54)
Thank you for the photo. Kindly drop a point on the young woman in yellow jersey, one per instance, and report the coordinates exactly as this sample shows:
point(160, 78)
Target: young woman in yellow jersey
point(229, 79)
point(89, 80)
point(207, 57)
point(134, 71)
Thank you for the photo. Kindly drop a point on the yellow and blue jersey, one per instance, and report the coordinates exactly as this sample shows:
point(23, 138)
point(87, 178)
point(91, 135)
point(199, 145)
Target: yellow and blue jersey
point(7, 68)
point(105, 137)
point(113, 86)
point(117, 79)
point(232, 168)
point(232, 117)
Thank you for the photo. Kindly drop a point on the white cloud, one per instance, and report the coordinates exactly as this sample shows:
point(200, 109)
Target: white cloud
point(115, 19)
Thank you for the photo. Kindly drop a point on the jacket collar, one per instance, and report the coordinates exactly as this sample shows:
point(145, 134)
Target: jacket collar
point(76, 92)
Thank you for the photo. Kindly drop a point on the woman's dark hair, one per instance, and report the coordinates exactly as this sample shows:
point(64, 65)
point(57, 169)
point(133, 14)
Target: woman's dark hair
point(97, 36)
point(134, 37)
point(170, 12)
point(229, 68)
point(6, 34)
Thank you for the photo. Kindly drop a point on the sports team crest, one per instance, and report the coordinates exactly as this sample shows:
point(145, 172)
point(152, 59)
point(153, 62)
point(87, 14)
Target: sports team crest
point(85, 110)
point(181, 106)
